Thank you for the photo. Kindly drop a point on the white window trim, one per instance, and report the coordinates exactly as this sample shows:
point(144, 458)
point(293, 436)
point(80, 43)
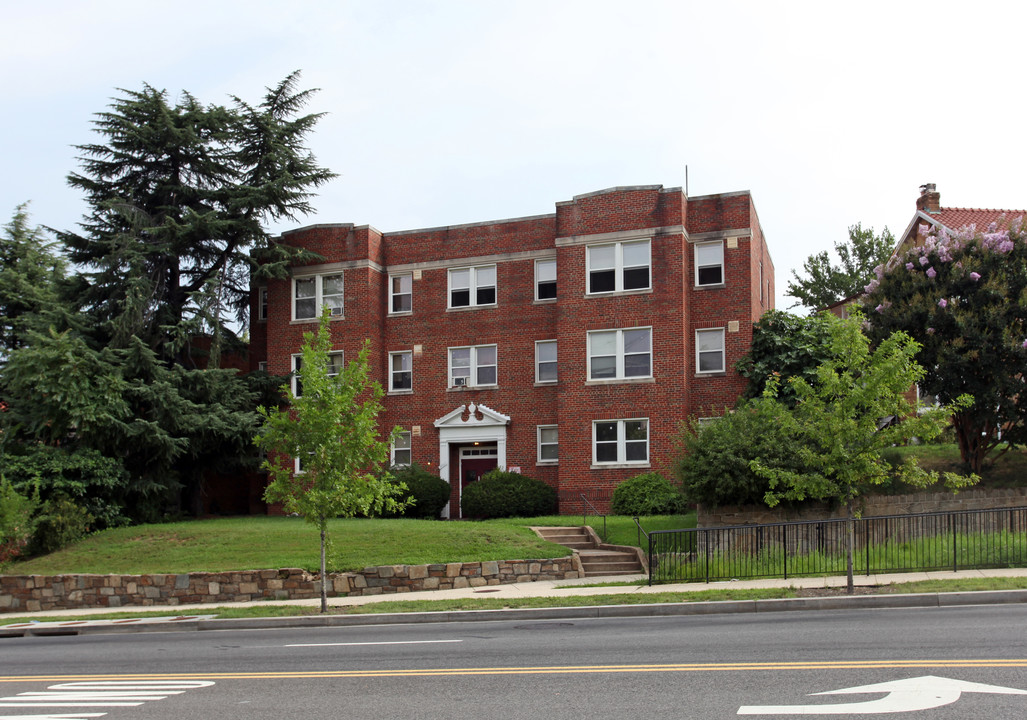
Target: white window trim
point(621, 444)
point(393, 294)
point(539, 444)
point(262, 306)
point(695, 258)
point(538, 362)
point(319, 296)
point(618, 267)
point(537, 263)
point(472, 287)
point(262, 365)
point(473, 369)
point(409, 449)
point(293, 365)
point(619, 376)
point(401, 391)
point(723, 352)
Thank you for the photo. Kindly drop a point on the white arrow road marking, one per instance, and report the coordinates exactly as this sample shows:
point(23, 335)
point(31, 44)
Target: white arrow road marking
point(389, 642)
point(75, 716)
point(922, 693)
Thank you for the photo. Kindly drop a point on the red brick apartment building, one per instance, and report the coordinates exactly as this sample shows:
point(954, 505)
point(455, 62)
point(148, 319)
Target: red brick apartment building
point(568, 347)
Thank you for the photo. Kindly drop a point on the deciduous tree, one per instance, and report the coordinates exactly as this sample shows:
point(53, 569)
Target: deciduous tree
point(963, 298)
point(823, 283)
point(325, 451)
point(842, 422)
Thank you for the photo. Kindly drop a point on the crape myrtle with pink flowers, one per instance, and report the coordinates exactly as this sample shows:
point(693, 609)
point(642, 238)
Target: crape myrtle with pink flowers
point(963, 297)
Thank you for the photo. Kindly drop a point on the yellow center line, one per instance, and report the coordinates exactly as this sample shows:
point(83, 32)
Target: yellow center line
point(540, 670)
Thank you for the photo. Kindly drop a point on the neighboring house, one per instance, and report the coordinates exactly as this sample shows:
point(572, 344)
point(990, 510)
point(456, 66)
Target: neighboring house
point(568, 346)
point(930, 212)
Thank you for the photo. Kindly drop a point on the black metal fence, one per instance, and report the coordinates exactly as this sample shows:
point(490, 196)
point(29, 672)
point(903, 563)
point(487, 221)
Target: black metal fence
point(892, 543)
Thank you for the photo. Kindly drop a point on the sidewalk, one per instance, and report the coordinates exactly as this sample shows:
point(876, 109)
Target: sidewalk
point(568, 588)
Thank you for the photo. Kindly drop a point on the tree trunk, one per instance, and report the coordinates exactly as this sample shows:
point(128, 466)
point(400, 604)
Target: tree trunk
point(324, 576)
point(850, 542)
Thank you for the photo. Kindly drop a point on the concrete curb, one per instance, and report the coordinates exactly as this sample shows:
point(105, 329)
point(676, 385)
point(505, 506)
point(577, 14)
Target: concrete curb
point(856, 602)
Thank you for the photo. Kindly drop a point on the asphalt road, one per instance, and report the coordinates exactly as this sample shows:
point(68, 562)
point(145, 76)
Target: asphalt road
point(688, 667)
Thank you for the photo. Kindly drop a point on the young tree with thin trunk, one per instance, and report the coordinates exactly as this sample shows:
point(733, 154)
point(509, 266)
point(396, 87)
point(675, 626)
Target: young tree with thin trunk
point(325, 451)
point(842, 422)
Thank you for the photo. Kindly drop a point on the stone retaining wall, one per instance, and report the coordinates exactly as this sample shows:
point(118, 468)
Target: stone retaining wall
point(874, 506)
point(34, 593)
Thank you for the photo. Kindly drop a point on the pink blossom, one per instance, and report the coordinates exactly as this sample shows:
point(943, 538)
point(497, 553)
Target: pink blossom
point(910, 266)
point(931, 272)
point(924, 260)
point(930, 331)
point(879, 308)
point(975, 276)
point(1024, 344)
point(943, 303)
point(874, 284)
point(924, 229)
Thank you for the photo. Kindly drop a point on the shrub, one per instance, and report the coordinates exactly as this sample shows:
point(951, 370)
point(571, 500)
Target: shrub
point(647, 494)
point(502, 494)
point(427, 493)
point(60, 522)
point(16, 522)
point(714, 468)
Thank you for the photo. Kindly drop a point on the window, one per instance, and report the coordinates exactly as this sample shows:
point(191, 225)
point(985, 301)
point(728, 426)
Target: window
point(472, 366)
point(334, 368)
point(401, 293)
point(545, 279)
point(545, 361)
point(473, 286)
point(548, 444)
point(309, 294)
point(262, 303)
point(262, 365)
point(620, 441)
point(401, 371)
point(620, 354)
point(401, 449)
point(709, 350)
point(618, 266)
point(709, 263)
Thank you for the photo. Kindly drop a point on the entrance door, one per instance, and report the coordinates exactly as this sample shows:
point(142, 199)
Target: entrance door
point(475, 462)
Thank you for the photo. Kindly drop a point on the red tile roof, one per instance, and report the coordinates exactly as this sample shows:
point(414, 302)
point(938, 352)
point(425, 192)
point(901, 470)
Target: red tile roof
point(958, 218)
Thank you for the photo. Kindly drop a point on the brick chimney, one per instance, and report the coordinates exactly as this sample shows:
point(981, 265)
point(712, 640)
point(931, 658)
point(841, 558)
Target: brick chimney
point(929, 200)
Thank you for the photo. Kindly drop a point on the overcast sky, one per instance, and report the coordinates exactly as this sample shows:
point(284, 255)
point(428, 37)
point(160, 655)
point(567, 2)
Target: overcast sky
point(452, 112)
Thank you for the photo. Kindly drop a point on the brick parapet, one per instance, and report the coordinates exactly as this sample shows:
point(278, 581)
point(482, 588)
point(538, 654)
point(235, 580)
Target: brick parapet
point(40, 593)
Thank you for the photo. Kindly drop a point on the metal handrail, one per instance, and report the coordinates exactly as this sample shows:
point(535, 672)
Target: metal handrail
point(595, 511)
point(649, 547)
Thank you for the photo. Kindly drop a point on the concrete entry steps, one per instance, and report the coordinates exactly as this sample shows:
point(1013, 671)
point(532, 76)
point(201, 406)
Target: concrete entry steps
point(597, 559)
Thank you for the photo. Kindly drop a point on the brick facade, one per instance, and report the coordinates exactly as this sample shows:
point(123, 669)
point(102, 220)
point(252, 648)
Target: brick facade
point(501, 413)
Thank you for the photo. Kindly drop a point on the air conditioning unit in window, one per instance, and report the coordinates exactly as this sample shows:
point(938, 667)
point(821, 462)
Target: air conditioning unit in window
point(336, 312)
point(459, 381)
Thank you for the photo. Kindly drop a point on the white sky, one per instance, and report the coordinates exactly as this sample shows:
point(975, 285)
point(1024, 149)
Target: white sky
point(443, 113)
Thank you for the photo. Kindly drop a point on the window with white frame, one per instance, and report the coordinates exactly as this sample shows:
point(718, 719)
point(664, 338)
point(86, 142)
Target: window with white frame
point(472, 366)
point(310, 294)
point(709, 350)
point(709, 263)
point(545, 361)
point(620, 441)
point(401, 293)
point(262, 303)
point(401, 449)
point(472, 286)
point(548, 444)
point(616, 267)
point(401, 365)
point(262, 365)
point(334, 368)
point(545, 279)
point(620, 354)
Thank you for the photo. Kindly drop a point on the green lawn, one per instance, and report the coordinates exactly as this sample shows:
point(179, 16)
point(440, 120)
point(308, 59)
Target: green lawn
point(253, 543)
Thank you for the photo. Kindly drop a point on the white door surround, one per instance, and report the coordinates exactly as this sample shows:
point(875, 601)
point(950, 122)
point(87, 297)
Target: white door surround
point(483, 425)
